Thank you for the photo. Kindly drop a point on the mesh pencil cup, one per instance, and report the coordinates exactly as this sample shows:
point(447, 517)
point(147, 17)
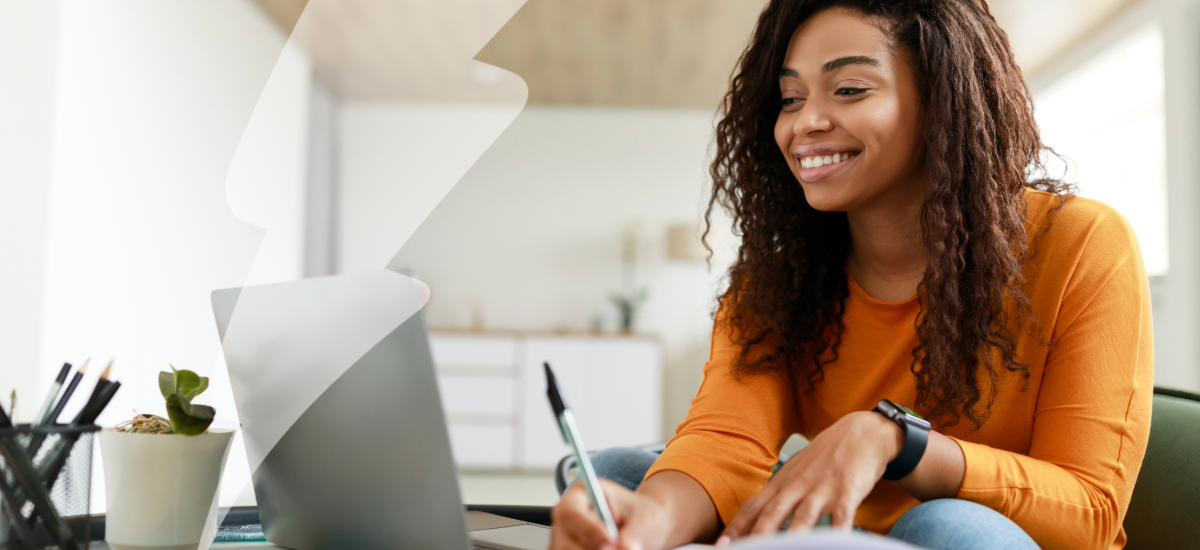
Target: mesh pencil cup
point(45, 487)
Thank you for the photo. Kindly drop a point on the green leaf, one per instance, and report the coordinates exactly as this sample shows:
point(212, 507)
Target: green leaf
point(199, 389)
point(166, 384)
point(188, 419)
point(186, 382)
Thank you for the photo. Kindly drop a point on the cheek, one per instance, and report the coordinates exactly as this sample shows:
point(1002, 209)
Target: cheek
point(892, 133)
point(784, 134)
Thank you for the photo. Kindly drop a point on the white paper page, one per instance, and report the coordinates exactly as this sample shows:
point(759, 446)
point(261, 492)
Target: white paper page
point(817, 540)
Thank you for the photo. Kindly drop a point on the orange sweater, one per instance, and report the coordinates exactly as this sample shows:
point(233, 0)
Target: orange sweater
point(1059, 459)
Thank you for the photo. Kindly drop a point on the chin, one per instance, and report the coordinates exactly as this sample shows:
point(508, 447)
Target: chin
point(825, 197)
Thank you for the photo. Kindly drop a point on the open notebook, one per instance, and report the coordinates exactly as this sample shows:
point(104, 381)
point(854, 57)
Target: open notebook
point(817, 540)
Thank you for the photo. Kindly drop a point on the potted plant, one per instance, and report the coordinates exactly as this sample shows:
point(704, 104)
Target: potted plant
point(162, 474)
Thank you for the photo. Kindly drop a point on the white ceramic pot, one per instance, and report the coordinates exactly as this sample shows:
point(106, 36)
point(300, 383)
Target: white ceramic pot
point(161, 488)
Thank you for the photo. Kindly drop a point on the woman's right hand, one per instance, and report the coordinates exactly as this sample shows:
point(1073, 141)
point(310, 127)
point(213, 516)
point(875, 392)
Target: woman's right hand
point(643, 522)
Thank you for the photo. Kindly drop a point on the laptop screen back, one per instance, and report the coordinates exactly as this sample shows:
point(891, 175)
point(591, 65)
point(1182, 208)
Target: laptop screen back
point(365, 462)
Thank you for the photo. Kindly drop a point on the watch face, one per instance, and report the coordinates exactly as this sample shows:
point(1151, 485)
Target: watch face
point(908, 410)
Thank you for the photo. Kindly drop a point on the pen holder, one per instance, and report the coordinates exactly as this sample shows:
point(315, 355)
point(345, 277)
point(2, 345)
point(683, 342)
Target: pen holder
point(45, 487)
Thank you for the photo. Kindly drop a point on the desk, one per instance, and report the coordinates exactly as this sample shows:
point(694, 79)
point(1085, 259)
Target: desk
point(243, 515)
point(218, 546)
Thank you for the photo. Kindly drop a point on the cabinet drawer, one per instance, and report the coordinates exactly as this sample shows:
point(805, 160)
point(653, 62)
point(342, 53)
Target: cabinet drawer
point(453, 351)
point(476, 395)
point(482, 447)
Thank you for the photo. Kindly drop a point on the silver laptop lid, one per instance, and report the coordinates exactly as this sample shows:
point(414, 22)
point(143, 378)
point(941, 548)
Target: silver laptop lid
point(336, 392)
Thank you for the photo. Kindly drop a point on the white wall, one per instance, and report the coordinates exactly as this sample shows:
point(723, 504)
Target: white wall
point(1177, 313)
point(396, 162)
point(28, 58)
point(1176, 294)
point(530, 237)
point(170, 178)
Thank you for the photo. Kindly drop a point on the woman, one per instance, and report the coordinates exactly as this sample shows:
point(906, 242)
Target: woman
point(878, 158)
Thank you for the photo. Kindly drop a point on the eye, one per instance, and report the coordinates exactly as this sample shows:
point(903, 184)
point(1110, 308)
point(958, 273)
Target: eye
point(849, 91)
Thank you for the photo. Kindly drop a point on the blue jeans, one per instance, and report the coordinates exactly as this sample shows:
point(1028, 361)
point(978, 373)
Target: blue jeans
point(938, 524)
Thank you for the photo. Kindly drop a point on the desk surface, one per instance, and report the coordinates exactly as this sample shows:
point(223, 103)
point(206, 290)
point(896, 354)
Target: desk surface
point(479, 517)
point(100, 545)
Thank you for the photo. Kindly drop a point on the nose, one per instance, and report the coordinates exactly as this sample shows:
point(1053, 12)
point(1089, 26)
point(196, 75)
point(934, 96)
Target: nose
point(813, 118)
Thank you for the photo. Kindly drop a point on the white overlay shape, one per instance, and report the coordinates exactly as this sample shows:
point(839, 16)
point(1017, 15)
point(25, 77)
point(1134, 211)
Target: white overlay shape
point(286, 343)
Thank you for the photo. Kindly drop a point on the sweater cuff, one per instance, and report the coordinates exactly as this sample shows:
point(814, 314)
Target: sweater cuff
point(722, 496)
point(983, 479)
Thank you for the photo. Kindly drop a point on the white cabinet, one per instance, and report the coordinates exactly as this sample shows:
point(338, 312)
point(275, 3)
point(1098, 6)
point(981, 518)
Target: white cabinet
point(494, 394)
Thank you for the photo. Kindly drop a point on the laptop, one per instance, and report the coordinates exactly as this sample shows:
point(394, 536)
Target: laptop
point(335, 388)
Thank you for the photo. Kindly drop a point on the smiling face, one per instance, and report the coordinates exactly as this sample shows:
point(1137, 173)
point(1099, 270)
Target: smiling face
point(849, 123)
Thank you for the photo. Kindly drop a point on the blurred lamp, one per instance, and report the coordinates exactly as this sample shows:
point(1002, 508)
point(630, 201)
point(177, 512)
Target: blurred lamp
point(683, 243)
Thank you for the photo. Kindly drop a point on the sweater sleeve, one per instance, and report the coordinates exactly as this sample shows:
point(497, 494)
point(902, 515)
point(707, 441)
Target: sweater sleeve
point(1092, 419)
point(735, 428)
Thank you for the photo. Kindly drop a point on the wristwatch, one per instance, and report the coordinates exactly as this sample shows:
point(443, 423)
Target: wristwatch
point(916, 437)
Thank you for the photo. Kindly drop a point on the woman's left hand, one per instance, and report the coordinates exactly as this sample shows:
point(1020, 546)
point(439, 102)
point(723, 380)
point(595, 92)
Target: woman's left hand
point(832, 475)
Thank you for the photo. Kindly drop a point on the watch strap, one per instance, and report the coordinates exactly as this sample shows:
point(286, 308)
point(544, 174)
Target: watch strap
point(916, 438)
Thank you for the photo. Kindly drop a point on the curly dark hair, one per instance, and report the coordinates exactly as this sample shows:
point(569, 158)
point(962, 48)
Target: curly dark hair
point(982, 147)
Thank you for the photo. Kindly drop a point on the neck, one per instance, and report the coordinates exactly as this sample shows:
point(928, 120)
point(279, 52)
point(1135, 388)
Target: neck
point(887, 253)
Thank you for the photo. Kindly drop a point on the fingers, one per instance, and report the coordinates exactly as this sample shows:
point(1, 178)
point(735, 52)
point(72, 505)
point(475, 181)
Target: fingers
point(575, 525)
point(807, 512)
point(745, 518)
point(619, 500)
point(775, 512)
point(766, 515)
point(843, 515)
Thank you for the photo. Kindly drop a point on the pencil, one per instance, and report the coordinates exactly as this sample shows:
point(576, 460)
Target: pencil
point(66, 395)
point(50, 397)
point(38, 437)
point(100, 385)
point(5, 421)
point(49, 469)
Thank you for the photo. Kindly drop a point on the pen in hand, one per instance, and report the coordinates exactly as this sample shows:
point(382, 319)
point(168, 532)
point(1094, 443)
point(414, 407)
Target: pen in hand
point(570, 432)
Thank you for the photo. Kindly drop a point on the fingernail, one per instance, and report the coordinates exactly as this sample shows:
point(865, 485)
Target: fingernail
point(723, 541)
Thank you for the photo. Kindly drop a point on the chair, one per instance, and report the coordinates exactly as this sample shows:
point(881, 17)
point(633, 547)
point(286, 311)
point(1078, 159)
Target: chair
point(1164, 512)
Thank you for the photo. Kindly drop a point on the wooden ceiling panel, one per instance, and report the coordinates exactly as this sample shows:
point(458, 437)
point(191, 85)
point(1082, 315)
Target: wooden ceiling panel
point(405, 50)
point(651, 53)
point(657, 53)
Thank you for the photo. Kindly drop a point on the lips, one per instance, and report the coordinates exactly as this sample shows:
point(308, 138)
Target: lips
point(819, 168)
point(822, 161)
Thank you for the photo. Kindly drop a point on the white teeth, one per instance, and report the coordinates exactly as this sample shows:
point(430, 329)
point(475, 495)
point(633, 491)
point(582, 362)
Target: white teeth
point(817, 162)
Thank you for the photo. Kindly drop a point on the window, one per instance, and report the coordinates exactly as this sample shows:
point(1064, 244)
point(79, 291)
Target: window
point(1106, 117)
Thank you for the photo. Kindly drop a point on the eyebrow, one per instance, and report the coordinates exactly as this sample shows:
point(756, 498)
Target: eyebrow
point(850, 60)
point(836, 64)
